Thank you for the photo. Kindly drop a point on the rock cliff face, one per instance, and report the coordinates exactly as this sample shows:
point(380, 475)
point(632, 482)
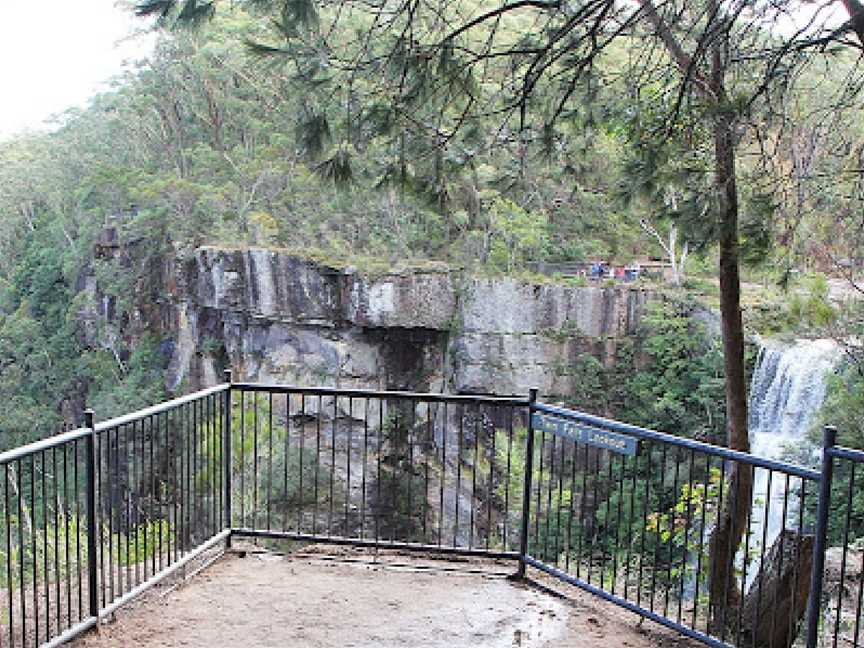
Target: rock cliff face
point(274, 317)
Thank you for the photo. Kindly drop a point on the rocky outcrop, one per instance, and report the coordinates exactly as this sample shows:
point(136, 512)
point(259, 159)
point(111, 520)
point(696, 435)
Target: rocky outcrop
point(263, 284)
point(516, 335)
point(275, 317)
point(424, 299)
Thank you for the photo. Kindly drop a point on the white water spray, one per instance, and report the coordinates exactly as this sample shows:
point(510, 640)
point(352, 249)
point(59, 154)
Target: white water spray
point(788, 389)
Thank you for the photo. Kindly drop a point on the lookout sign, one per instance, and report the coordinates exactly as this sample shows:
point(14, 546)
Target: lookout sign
point(589, 435)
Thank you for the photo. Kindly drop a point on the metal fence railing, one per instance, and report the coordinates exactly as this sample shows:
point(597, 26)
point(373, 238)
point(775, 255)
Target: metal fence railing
point(420, 471)
point(160, 481)
point(721, 546)
point(840, 593)
point(634, 516)
point(44, 539)
point(93, 516)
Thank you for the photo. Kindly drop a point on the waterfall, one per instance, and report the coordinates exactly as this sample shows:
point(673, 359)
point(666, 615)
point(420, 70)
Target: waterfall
point(787, 390)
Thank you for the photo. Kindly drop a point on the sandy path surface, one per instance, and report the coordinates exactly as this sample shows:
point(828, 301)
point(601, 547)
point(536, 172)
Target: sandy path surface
point(310, 600)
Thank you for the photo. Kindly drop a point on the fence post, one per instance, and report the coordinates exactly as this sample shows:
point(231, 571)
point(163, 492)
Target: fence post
point(829, 438)
point(226, 452)
point(526, 492)
point(90, 475)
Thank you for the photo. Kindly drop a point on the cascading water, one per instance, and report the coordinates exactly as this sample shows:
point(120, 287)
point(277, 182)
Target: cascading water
point(787, 390)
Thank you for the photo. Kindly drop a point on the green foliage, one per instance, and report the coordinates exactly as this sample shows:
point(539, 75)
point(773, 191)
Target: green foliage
point(844, 409)
point(272, 470)
point(812, 308)
point(44, 361)
point(668, 377)
point(206, 145)
point(757, 238)
point(517, 235)
point(679, 388)
point(510, 456)
point(681, 526)
point(548, 528)
point(47, 547)
point(644, 510)
point(577, 282)
point(591, 386)
point(132, 385)
point(129, 548)
point(800, 308)
point(37, 539)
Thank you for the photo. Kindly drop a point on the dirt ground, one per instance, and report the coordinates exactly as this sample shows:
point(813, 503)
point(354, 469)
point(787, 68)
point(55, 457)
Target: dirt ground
point(323, 597)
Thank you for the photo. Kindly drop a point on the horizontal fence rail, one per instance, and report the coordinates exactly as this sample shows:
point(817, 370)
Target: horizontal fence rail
point(721, 546)
point(44, 540)
point(159, 476)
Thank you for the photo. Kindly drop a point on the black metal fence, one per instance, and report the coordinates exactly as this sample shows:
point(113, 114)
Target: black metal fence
point(160, 483)
point(639, 524)
point(94, 516)
point(718, 545)
point(842, 586)
point(417, 471)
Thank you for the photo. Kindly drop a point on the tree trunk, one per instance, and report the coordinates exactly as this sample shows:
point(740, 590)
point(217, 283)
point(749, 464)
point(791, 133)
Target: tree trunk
point(730, 289)
point(733, 520)
point(777, 600)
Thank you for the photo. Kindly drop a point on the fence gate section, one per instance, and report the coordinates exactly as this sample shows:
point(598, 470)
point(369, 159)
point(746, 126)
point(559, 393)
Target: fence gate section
point(841, 529)
point(422, 472)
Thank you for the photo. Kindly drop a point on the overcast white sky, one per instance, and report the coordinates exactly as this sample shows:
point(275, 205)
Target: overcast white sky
point(56, 54)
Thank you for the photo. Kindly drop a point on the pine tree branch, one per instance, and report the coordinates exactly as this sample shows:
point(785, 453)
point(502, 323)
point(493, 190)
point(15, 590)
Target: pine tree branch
point(856, 17)
point(685, 62)
point(682, 60)
point(494, 13)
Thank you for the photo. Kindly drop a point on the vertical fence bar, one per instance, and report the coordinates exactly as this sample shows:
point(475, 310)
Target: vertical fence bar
point(829, 438)
point(526, 492)
point(226, 452)
point(7, 512)
point(91, 514)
